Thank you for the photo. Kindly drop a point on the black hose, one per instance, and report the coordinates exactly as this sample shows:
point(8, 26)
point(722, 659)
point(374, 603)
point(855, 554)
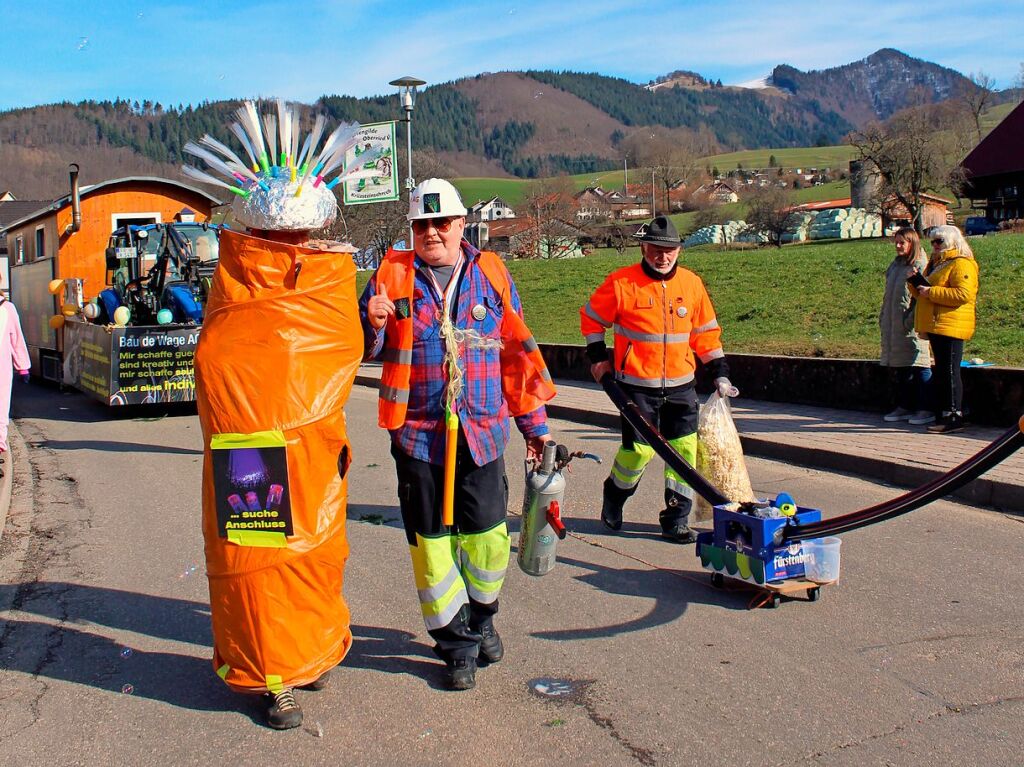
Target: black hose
point(653, 437)
point(957, 477)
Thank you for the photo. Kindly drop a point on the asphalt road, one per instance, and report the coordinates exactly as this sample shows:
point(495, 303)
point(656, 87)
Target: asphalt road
point(914, 657)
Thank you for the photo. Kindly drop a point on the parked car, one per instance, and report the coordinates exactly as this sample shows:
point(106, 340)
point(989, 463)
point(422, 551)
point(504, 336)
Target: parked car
point(979, 225)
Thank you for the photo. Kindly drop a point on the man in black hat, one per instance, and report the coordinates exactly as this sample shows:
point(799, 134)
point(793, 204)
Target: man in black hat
point(663, 321)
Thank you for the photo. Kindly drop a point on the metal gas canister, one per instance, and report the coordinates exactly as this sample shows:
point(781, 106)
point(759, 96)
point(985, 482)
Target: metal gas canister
point(542, 501)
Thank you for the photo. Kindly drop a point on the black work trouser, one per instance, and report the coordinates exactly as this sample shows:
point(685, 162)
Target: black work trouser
point(947, 387)
point(478, 532)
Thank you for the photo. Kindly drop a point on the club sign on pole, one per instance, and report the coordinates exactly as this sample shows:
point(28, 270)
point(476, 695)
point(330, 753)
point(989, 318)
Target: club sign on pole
point(376, 180)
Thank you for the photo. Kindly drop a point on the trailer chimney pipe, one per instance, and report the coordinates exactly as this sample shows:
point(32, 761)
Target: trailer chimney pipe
point(76, 201)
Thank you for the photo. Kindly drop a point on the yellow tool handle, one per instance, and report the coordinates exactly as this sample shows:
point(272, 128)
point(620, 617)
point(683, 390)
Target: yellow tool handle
point(451, 443)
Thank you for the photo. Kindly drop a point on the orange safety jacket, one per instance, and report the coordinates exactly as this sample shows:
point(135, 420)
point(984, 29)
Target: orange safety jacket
point(659, 325)
point(525, 380)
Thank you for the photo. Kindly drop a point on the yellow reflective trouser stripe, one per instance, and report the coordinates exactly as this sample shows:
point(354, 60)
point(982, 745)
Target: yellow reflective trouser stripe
point(441, 589)
point(484, 561)
point(686, 446)
point(274, 683)
point(222, 672)
point(630, 463)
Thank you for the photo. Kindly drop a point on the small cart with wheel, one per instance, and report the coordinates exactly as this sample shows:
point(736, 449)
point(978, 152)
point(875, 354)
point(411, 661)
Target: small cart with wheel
point(747, 548)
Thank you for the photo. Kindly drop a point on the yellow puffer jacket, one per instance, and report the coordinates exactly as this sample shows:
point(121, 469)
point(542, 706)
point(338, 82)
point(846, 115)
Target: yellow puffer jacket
point(948, 308)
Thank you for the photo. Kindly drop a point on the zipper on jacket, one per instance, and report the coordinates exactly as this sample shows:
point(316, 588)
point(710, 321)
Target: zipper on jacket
point(664, 336)
point(625, 356)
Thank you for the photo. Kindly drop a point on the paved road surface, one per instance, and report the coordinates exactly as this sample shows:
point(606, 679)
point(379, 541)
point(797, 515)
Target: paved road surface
point(915, 657)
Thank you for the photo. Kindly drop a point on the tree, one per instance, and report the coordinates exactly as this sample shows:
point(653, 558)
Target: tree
point(771, 161)
point(977, 93)
point(550, 206)
point(770, 212)
point(672, 155)
point(916, 151)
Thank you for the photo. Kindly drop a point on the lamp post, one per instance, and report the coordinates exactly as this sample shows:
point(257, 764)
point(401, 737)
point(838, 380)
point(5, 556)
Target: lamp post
point(407, 96)
point(653, 212)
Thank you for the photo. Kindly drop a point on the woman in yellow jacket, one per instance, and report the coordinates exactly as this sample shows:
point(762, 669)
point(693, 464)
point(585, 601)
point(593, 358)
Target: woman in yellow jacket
point(945, 316)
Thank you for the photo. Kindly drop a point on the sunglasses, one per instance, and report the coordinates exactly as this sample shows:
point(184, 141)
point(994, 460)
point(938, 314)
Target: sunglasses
point(937, 243)
point(442, 225)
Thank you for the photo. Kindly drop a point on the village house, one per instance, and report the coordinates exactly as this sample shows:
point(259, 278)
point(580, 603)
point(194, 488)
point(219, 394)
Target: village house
point(494, 209)
point(597, 202)
point(995, 170)
point(520, 238)
point(717, 192)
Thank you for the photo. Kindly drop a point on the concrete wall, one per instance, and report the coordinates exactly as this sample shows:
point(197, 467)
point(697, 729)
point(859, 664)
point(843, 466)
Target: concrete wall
point(993, 396)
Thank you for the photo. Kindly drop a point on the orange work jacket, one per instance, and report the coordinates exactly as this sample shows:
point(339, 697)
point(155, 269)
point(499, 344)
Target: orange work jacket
point(525, 380)
point(659, 325)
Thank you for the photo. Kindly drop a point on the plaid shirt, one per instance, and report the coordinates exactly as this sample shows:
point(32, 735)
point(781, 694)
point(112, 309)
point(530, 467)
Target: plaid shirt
point(482, 410)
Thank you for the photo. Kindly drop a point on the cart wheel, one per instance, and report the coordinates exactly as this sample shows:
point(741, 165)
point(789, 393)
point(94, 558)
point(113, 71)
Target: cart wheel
point(717, 580)
point(775, 601)
point(813, 595)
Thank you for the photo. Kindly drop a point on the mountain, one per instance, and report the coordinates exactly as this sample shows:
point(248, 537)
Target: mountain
point(873, 88)
point(524, 124)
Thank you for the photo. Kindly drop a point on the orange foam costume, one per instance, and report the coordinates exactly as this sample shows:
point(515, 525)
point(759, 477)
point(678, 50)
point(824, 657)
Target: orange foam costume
point(279, 349)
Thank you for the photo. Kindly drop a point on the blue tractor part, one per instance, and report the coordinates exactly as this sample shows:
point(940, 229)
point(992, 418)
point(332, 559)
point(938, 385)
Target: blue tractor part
point(179, 298)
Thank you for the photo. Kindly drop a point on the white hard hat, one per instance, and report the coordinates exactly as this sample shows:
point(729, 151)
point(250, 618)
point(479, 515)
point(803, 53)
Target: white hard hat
point(435, 198)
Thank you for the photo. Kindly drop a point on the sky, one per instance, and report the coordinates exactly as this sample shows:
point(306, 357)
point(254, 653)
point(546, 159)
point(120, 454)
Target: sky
point(187, 52)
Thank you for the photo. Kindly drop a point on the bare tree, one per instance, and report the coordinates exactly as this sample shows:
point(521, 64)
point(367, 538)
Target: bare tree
point(770, 212)
point(672, 155)
point(977, 94)
point(550, 206)
point(916, 151)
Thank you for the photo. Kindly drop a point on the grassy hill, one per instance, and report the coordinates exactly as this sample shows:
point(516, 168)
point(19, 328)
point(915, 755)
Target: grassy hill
point(816, 299)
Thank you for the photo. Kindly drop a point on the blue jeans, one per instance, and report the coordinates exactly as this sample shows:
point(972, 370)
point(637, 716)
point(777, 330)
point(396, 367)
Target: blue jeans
point(912, 386)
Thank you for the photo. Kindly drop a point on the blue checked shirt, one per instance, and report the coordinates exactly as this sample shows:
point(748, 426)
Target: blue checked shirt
point(482, 409)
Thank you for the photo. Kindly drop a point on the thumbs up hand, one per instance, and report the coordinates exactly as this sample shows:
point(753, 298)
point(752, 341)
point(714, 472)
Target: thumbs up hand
point(379, 308)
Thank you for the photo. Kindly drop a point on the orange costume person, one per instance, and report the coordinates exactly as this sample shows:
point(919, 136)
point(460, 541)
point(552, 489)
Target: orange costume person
point(280, 346)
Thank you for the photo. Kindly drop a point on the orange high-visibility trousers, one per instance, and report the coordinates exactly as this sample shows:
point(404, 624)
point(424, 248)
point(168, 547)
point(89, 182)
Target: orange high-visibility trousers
point(279, 349)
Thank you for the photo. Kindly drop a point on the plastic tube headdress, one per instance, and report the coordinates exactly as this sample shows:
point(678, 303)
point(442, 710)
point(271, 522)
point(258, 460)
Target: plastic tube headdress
point(285, 183)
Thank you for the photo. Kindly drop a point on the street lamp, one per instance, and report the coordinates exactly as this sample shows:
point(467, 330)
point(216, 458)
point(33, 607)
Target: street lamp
point(407, 96)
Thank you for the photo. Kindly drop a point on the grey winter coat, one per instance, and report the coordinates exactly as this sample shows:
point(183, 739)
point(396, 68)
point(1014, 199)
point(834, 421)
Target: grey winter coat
point(901, 346)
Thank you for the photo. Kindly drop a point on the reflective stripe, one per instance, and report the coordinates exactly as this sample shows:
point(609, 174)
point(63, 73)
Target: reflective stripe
point(396, 355)
point(629, 465)
point(593, 338)
point(545, 374)
point(443, 618)
point(275, 683)
point(438, 590)
point(589, 311)
point(392, 394)
point(635, 335)
point(482, 575)
point(714, 354)
point(530, 345)
point(653, 383)
point(679, 487)
point(625, 472)
point(705, 327)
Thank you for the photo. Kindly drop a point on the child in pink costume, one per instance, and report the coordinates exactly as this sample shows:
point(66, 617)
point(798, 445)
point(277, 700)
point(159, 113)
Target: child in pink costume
point(13, 354)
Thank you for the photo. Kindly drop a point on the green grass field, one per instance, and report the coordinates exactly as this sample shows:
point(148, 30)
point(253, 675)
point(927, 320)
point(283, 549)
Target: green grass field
point(818, 299)
point(807, 300)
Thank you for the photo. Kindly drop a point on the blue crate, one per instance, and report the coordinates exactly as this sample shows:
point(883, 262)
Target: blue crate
point(755, 538)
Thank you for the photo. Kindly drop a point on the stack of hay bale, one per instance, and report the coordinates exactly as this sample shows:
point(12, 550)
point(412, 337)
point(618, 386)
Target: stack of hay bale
point(844, 224)
point(718, 234)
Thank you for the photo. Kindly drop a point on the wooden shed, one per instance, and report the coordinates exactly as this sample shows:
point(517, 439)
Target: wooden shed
point(48, 232)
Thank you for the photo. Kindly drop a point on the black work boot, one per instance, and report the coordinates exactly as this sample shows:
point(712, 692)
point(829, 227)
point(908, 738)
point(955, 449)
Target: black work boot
point(460, 674)
point(491, 648)
point(611, 509)
point(319, 683)
point(673, 519)
point(283, 712)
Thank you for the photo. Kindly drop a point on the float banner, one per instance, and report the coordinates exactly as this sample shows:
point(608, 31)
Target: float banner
point(250, 479)
point(131, 366)
point(383, 185)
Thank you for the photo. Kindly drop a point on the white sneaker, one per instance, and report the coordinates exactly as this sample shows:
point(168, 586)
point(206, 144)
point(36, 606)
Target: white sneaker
point(899, 414)
point(922, 417)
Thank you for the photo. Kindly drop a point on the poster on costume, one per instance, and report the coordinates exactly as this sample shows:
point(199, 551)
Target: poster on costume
point(379, 182)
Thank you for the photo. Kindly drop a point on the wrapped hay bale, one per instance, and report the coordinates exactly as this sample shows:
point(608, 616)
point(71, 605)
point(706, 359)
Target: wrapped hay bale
point(720, 455)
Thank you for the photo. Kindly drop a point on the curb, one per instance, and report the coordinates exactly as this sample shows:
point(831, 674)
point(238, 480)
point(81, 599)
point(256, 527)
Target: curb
point(983, 491)
point(7, 482)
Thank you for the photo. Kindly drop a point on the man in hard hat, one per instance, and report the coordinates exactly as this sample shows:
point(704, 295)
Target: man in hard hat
point(446, 321)
point(663, 321)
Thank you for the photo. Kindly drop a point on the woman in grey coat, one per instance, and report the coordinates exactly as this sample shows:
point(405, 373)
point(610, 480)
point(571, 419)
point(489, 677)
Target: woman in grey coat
point(902, 349)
